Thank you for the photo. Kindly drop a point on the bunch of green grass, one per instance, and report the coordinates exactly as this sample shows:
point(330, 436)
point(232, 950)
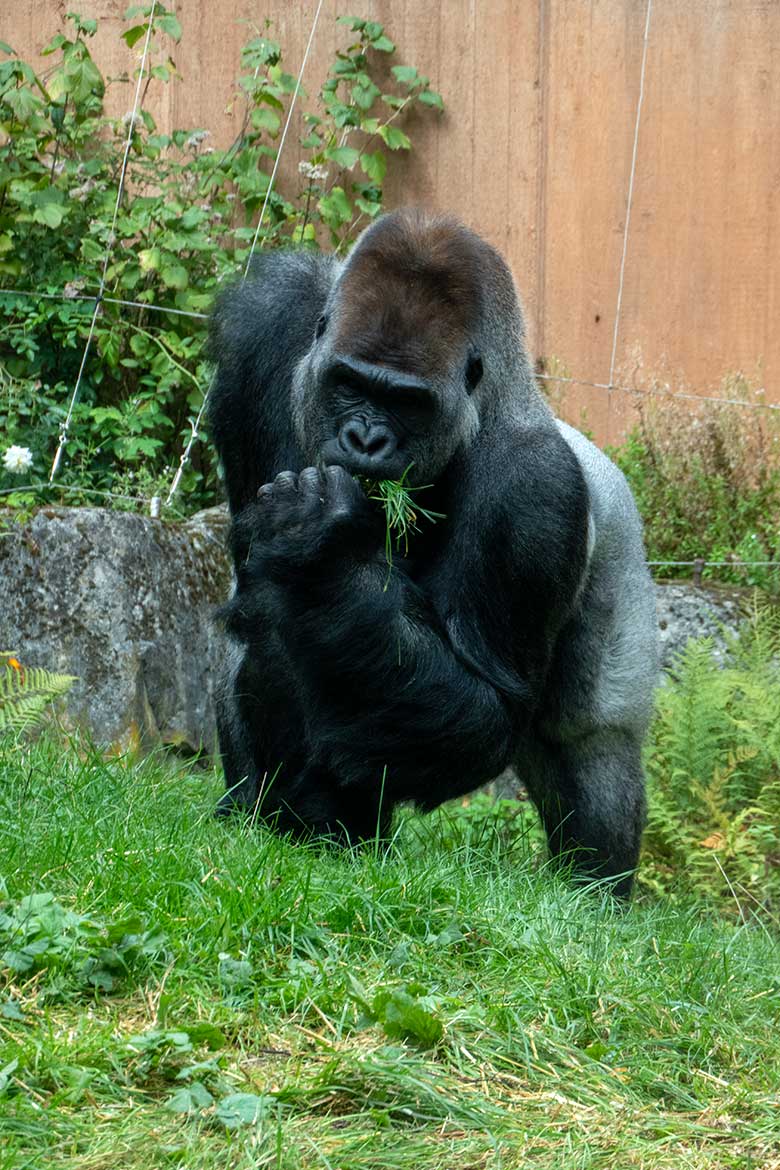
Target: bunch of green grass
point(401, 511)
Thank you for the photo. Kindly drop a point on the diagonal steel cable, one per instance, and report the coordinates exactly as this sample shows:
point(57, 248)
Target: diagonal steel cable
point(195, 426)
point(109, 248)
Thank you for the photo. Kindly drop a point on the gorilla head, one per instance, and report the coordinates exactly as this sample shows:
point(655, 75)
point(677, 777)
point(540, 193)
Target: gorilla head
point(396, 369)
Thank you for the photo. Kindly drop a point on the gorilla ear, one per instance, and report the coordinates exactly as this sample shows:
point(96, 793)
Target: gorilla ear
point(474, 370)
point(321, 326)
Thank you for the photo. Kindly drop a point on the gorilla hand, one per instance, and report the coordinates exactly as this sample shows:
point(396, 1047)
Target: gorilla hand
point(314, 515)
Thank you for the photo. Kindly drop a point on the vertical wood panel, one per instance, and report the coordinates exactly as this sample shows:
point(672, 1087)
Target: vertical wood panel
point(534, 151)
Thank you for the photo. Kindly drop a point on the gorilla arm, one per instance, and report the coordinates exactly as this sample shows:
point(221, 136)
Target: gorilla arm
point(428, 681)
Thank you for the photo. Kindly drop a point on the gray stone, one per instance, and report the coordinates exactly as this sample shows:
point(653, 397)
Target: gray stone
point(125, 603)
point(697, 611)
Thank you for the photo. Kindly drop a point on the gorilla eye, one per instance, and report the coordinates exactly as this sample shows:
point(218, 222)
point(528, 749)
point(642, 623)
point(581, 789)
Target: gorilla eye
point(321, 326)
point(474, 371)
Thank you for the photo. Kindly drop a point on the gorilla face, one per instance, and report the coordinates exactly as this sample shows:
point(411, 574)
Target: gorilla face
point(386, 387)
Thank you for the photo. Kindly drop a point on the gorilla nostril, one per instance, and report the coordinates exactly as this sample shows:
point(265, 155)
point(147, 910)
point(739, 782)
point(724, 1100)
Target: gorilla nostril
point(377, 443)
point(353, 438)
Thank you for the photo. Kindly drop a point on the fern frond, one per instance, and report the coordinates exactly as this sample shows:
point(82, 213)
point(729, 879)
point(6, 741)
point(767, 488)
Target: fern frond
point(26, 691)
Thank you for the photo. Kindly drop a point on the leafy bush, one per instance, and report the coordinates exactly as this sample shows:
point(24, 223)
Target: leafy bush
point(186, 222)
point(713, 764)
point(40, 936)
point(707, 482)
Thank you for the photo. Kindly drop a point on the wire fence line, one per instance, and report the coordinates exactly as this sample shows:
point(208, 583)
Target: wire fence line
point(635, 391)
point(90, 298)
point(639, 392)
point(698, 564)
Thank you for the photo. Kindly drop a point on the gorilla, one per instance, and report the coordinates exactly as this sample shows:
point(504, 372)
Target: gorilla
point(517, 631)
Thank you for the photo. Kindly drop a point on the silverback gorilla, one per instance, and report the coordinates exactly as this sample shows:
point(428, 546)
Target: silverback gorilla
point(519, 630)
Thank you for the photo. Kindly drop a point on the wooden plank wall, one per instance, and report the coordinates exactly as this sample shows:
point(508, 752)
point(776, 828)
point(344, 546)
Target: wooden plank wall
point(534, 151)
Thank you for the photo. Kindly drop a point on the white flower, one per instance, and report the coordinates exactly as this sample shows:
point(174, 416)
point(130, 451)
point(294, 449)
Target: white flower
point(81, 192)
point(17, 459)
point(312, 173)
point(196, 138)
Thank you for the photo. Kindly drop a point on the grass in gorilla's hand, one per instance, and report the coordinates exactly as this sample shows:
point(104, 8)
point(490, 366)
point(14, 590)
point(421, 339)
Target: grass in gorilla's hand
point(401, 511)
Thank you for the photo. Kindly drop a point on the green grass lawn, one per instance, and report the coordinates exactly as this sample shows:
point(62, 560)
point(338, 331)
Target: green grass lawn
point(179, 992)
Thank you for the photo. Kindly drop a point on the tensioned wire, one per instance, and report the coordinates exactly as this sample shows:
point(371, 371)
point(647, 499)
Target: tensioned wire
point(195, 426)
point(109, 246)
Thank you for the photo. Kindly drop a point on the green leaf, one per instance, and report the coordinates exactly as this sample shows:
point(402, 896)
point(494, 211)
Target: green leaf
point(375, 166)
point(170, 25)
point(429, 97)
point(191, 218)
point(22, 102)
point(383, 45)
point(405, 74)
point(368, 207)
point(206, 1033)
point(6, 1073)
point(394, 138)
point(365, 94)
point(265, 119)
point(352, 22)
point(239, 1109)
point(133, 35)
point(343, 156)
point(55, 43)
point(79, 77)
point(335, 208)
point(174, 274)
point(405, 1016)
point(150, 259)
point(6, 48)
point(190, 1099)
point(49, 207)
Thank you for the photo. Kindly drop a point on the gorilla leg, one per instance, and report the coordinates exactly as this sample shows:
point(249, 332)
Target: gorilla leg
point(590, 795)
point(261, 732)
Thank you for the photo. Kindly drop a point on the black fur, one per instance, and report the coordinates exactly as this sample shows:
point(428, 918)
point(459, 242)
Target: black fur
point(353, 686)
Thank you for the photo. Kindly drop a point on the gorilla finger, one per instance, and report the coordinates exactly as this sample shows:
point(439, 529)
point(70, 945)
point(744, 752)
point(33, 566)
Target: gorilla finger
point(286, 483)
point(342, 491)
point(311, 491)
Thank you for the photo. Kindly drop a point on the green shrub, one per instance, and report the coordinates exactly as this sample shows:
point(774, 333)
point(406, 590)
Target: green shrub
point(186, 222)
point(707, 482)
point(713, 765)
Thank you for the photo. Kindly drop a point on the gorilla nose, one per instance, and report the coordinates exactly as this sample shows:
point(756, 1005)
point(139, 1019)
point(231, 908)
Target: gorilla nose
point(370, 441)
